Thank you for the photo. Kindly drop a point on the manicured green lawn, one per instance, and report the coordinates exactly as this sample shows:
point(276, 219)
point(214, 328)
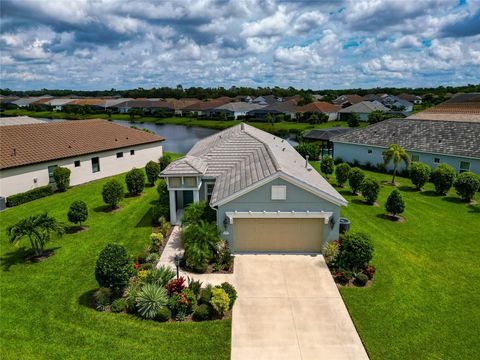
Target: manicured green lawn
point(424, 303)
point(44, 306)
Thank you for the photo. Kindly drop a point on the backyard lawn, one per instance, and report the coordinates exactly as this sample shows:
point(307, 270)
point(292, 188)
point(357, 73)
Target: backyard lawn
point(44, 306)
point(424, 303)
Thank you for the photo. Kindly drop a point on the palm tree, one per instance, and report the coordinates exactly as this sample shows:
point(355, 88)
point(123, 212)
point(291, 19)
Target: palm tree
point(397, 154)
point(38, 229)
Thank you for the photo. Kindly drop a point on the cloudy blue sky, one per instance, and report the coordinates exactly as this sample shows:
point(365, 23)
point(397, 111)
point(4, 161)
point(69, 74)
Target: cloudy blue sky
point(100, 44)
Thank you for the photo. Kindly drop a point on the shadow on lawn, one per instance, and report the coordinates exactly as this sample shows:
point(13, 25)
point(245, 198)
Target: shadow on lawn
point(405, 188)
point(146, 220)
point(86, 299)
point(455, 200)
point(430, 193)
point(474, 209)
point(19, 256)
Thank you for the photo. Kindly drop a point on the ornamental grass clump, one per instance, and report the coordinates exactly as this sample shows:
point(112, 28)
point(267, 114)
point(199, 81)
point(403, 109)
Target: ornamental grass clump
point(150, 300)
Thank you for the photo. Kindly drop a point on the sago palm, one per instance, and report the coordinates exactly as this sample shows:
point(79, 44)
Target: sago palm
point(396, 154)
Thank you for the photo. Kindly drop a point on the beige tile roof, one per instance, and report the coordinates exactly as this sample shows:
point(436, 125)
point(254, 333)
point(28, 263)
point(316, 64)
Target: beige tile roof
point(35, 143)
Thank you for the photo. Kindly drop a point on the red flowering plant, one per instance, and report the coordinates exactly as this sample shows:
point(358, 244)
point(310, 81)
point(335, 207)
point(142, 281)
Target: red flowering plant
point(175, 286)
point(135, 265)
point(369, 271)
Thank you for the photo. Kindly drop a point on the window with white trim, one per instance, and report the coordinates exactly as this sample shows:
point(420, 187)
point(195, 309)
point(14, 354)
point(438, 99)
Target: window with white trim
point(464, 166)
point(279, 192)
point(175, 182)
point(210, 187)
point(190, 181)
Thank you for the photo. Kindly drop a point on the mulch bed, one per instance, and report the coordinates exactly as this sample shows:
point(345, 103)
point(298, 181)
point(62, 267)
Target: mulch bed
point(351, 283)
point(395, 218)
point(156, 229)
point(77, 229)
point(31, 259)
point(389, 183)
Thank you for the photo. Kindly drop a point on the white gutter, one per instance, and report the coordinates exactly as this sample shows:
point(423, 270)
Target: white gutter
point(279, 215)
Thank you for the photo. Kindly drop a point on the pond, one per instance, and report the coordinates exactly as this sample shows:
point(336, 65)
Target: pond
point(179, 138)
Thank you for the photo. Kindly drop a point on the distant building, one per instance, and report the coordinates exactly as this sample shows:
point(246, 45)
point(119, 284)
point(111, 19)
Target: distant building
point(91, 149)
point(363, 109)
point(461, 107)
point(237, 109)
point(323, 137)
point(415, 99)
point(347, 100)
point(19, 120)
point(323, 107)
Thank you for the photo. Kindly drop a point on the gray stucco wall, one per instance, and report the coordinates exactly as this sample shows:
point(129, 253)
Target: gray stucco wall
point(260, 200)
point(351, 152)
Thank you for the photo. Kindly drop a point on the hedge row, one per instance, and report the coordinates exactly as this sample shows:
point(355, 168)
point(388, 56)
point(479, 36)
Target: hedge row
point(29, 195)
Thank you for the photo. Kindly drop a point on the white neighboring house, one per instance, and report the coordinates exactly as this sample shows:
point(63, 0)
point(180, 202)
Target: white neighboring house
point(91, 149)
point(58, 104)
point(237, 108)
point(363, 109)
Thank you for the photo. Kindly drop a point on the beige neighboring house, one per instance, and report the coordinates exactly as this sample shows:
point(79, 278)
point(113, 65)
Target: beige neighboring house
point(91, 149)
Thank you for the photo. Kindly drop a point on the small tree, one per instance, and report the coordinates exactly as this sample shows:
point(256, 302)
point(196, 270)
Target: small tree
point(341, 173)
point(135, 180)
point(355, 179)
point(443, 178)
point(112, 193)
point(200, 242)
point(370, 189)
point(312, 150)
point(353, 120)
point(395, 204)
point(153, 170)
point(356, 251)
point(195, 213)
point(113, 268)
point(466, 185)
point(327, 166)
point(61, 176)
point(396, 154)
point(419, 174)
point(78, 212)
point(375, 117)
point(165, 160)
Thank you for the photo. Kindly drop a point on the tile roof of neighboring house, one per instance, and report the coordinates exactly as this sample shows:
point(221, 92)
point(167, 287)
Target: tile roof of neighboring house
point(319, 106)
point(326, 134)
point(41, 101)
point(442, 137)
point(145, 104)
point(371, 97)
point(280, 107)
point(464, 117)
point(351, 98)
point(462, 107)
point(463, 98)
point(239, 106)
point(112, 102)
point(88, 102)
point(180, 104)
point(59, 102)
point(241, 156)
point(25, 101)
point(19, 120)
point(365, 107)
point(36, 143)
point(206, 105)
point(265, 99)
point(409, 97)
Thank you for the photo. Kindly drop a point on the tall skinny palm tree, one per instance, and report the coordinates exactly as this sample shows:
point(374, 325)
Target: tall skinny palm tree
point(396, 154)
point(38, 229)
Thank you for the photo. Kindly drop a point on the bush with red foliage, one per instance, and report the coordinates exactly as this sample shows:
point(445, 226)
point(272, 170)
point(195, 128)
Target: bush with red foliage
point(369, 271)
point(176, 286)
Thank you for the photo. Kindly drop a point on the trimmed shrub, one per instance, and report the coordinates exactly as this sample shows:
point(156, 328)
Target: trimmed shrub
point(178, 303)
point(353, 120)
point(152, 169)
point(361, 279)
point(153, 258)
point(164, 314)
point(191, 298)
point(150, 300)
point(356, 251)
point(466, 185)
point(135, 180)
point(101, 298)
point(112, 193)
point(195, 286)
point(231, 292)
point(162, 208)
point(219, 301)
point(165, 160)
point(327, 166)
point(156, 241)
point(312, 150)
point(370, 189)
point(443, 178)
point(395, 204)
point(30, 195)
point(164, 226)
point(113, 268)
point(355, 179)
point(119, 305)
point(201, 313)
point(197, 212)
point(61, 176)
point(205, 295)
point(200, 243)
point(341, 173)
point(369, 271)
point(78, 212)
point(419, 174)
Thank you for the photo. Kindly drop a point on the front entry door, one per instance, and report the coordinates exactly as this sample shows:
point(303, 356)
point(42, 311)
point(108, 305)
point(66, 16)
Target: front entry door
point(187, 198)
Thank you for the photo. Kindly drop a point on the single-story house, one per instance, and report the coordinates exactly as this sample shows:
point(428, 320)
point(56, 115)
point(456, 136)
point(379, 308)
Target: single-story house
point(237, 108)
point(144, 105)
point(26, 101)
point(59, 103)
point(347, 100)
point(91, 149)
point(205, 107)
point(429, 141)
point(285, 107)
point(411, 98)
point(320, 107)
point(266, 100)
point(323, 137)
point(363, 109)
point(267, 197)
point(396, 103)
point(461, 107)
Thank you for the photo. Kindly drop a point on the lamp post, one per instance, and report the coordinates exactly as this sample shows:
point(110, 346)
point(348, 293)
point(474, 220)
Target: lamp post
point(177, 264)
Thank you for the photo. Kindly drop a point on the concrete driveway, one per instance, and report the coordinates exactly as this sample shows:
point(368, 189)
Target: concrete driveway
point(289, 308)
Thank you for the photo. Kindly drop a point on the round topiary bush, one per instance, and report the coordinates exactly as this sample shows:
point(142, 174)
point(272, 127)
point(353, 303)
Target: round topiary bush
point(443, 178)
point(355, 179)
point(231, 292)
point(356, 251)
point(205, 295)
point(419, 174)
point(119, 305)
point(361, 279)
point(370, 189)
point(61, 176)
point(112, 193)
point(164, 314)
point(341, 173)
point(219, 301)
point(202, 313)
point(165, 160)
point(113, 268)
point(152, 169)
point(327, 166)
point(78, 212)
point(395, 204)
point(135, 180)
point(466, 185)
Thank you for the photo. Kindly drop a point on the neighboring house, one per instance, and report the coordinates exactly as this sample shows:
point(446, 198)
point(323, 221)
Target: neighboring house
point(363, 109)
point(58, 104)
point(429, 141)
point(462, 107)
point(149, 106)
point(19, 120)
point(347, 100)
point(91, 149)
point(205, 107)
point(397, 104)
point(265, 100)
point(373, 97)
point(285, 107)
point(93, 103)
point(320, 107)
point(323, 137)
point(267, 197)
point(237, 108)
point(411, 98)
point(24, 102)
